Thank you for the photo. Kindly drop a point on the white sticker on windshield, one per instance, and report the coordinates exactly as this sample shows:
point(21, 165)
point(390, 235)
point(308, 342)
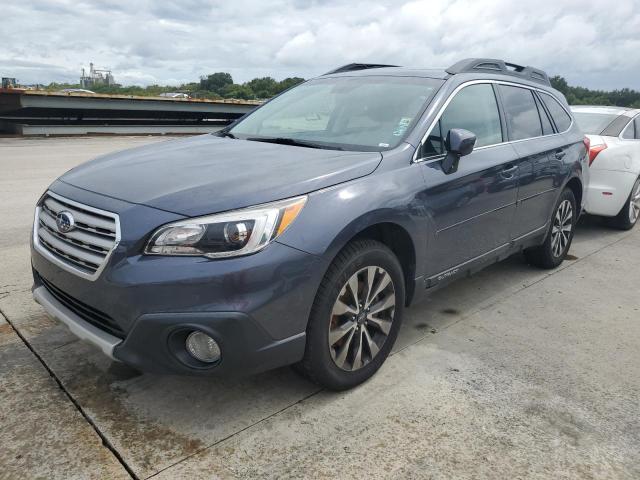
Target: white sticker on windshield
point(402, 126)
point(383, 145)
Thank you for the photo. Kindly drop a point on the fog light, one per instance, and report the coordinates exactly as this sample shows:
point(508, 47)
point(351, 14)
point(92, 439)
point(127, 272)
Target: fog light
point(202, 347)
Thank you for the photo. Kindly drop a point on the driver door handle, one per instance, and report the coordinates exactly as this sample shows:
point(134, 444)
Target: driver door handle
point(560, 154)
point(509, 171)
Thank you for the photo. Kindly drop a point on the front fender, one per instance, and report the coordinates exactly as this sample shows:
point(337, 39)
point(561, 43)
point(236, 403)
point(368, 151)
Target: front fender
point(333, 216)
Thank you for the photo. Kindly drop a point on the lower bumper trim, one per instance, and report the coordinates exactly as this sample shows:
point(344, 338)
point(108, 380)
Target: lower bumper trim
point(80, 328)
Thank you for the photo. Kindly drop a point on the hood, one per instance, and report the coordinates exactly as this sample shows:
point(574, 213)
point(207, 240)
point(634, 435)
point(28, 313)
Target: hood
point(208, 174)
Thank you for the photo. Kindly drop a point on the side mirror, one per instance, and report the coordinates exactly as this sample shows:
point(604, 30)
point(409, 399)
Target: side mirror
point(459, 143)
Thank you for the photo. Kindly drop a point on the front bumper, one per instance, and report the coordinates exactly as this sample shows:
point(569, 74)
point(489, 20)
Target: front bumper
point(151, 341)
point(256, 307)
point(151, 345)
point(79, 327)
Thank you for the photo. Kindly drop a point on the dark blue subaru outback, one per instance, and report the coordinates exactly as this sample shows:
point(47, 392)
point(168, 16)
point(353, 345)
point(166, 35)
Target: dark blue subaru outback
point(299, 234)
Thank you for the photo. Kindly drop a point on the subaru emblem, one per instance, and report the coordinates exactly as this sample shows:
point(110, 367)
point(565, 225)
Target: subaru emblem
point(65, 222)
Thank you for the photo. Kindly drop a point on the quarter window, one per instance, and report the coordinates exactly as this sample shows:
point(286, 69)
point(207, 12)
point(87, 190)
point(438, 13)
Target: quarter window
point(637, 124)
point(475, 109)
point(629, 133)
point(521, 112)
point(547, 128)
point(560, 116)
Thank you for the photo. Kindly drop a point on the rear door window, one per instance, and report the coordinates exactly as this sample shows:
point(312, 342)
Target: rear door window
point(560, 116)
point(474, 108)
point(521, 111)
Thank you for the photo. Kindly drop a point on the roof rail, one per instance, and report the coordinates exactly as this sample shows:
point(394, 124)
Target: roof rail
point(352, 67)
point(494, 65)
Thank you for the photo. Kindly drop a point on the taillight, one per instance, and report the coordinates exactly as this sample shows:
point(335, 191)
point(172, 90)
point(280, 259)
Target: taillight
point(595, 150)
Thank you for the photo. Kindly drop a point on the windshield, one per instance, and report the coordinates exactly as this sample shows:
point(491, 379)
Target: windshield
point(594, 123)
point(370, 113)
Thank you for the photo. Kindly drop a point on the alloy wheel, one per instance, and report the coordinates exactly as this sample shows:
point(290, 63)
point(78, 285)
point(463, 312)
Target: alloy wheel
point(561, 230)
point(634, 204)
point(361, 318)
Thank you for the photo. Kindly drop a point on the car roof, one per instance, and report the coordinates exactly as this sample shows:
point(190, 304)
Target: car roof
point(469, 69)
point(466, 69)
point(438, 73)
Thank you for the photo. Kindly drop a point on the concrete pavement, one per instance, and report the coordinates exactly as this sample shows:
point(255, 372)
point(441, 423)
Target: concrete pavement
point(513, 373)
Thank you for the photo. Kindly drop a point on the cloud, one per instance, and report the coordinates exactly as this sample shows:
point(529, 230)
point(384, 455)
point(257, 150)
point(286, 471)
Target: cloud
point(147, 41)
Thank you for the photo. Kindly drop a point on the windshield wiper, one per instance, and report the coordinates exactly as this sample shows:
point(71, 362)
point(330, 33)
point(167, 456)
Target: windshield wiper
point(227, 134)
point(293, 142)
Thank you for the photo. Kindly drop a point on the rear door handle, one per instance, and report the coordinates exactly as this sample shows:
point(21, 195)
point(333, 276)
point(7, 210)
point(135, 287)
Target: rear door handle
point(560, 154)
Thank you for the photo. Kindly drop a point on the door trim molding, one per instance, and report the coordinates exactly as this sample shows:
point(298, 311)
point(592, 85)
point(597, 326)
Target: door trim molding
point(453, 272)
point(457, 224)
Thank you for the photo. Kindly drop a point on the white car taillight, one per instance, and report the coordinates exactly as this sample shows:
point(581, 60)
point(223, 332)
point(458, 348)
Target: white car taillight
point(594, 150)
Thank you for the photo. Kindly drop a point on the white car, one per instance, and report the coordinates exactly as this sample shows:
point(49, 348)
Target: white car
point(614, 161)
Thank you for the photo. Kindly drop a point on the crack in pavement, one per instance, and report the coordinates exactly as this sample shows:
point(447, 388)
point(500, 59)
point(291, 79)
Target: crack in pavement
point(103, 437)
point(297, 402)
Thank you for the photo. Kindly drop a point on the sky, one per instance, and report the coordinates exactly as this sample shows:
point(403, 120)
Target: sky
point(595, 43)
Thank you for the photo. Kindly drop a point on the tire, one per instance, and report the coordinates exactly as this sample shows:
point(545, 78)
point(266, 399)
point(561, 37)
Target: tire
point(559, 236)
point(628, 215)
point(333, 362)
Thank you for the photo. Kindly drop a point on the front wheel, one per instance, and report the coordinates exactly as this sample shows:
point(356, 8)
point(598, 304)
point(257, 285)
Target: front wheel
point(355, 317)
point(556, 246)
point(628, 215)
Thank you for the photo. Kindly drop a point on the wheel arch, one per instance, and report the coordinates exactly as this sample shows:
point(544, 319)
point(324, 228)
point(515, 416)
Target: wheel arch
point(395, 236)
point(575, 185)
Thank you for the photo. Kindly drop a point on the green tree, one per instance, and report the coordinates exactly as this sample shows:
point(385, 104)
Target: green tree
point(287, 83)
point(560, 84)
point(242, 92)
point(216, 81)
point(584, 96)
point(264, 87)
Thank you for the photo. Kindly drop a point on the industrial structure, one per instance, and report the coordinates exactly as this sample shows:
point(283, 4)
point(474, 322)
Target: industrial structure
point(96, 77)
point(8, 82)
point(33, 112)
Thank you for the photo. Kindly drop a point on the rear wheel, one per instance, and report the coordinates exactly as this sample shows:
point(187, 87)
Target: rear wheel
point(554, 249)
point(355, 317)
point(630, 212)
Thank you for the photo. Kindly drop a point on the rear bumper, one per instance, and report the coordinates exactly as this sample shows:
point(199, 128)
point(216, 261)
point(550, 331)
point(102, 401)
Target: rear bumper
point(608, 191)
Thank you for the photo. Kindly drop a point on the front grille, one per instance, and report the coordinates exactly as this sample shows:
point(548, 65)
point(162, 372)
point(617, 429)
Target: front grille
point(91, 315)
point(83, 250)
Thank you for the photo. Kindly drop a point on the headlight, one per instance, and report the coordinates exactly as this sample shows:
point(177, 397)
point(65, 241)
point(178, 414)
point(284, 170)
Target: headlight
point(226, 234)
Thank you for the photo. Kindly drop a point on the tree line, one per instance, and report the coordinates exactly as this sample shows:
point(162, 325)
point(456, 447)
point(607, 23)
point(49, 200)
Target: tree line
point(214, 86)
point(625, 97)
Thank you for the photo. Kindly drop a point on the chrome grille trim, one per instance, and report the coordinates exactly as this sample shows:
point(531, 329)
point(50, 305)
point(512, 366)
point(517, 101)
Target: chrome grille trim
point(85, 250)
